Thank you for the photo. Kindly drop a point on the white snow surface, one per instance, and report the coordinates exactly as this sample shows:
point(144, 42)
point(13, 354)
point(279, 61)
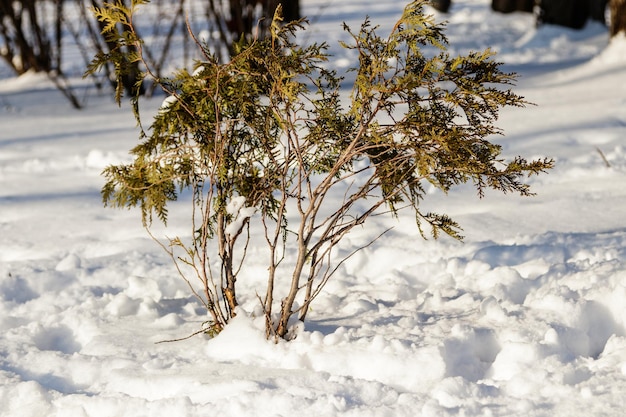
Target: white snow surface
point(525, 318)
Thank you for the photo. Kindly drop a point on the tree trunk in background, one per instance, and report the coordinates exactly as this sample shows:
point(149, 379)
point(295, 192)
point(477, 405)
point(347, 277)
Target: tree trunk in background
point(129, 80)
point(568, 13)
point(291, 10)
point(27, 45)
point(509, 6)
point(441, 5)
point(618, 17)
point(597, 10)
point(244, 20)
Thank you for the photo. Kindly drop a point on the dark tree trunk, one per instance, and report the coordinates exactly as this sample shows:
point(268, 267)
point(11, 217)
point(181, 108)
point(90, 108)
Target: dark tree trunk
point(597, 10)
point(243, 20)
point(618, 17)
point(441, 5)
point(569, 13)
point(27, 46)
point(509, 6)
point(291, 10)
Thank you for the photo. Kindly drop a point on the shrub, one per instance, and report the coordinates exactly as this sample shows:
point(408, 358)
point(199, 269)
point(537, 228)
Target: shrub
point(267, 139)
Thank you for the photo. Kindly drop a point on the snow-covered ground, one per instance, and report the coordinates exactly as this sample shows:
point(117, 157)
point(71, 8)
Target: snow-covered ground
point(526, 318)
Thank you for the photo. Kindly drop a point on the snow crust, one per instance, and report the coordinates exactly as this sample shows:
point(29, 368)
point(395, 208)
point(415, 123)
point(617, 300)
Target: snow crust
point(526, 318)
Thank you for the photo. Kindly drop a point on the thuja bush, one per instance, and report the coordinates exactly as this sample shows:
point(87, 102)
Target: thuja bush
point(268, 142)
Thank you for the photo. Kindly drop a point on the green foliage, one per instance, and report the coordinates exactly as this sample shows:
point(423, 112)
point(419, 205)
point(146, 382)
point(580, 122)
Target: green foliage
point(269, 130)
point(125, 54)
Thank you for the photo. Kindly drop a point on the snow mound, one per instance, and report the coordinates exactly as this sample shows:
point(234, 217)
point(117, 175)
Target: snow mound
point(614, 53)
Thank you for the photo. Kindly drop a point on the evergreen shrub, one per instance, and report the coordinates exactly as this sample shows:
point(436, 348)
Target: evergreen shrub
point(270, 143)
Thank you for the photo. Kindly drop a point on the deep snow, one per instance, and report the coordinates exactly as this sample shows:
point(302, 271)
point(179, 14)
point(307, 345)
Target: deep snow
point(527, 317)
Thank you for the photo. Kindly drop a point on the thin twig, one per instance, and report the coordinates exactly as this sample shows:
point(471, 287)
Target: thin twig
point(182, 338)
point(606, 162)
